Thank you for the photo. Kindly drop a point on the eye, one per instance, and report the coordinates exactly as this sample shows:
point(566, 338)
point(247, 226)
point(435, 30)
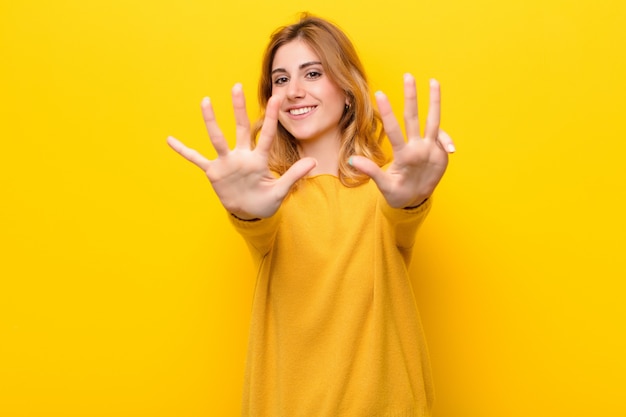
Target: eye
point(280, 80)
point(313, 74)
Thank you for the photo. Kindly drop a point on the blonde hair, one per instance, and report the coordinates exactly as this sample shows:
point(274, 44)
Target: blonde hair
point(360, 125)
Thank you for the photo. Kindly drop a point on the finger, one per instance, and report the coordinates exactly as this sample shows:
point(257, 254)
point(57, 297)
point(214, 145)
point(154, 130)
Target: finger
point(434, 111)
point(270, 124)
point(293, 174)
point(215, 133)
point(411, 121)
point(189, 154)
point(242, 122)
point(369, 168)
point(390, 123)
point(446, 142)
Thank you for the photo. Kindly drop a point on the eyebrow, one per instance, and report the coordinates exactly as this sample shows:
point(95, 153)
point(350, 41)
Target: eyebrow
point(302, 66)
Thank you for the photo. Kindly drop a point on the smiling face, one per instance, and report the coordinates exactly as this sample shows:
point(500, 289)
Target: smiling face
point(312, 103)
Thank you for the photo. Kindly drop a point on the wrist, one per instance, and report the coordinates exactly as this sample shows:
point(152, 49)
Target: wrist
point(244, 217)
point(419, 204)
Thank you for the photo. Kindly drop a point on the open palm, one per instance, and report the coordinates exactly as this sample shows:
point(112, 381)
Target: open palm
point(241, 177)
point(419, 162)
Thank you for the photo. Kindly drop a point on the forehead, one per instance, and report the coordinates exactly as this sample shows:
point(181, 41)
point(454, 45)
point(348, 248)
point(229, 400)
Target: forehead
point(292, 54)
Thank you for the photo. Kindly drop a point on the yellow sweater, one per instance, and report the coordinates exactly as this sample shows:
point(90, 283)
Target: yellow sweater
point(335, 331)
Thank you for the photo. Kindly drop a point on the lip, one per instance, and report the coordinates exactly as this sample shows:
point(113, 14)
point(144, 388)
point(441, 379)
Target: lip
point(303, 115)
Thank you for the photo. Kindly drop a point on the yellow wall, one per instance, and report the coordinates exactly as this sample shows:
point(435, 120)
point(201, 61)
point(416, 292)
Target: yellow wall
point(124, 292)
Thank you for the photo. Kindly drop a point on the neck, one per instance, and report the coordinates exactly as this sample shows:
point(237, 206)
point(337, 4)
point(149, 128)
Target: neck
point(326, 152)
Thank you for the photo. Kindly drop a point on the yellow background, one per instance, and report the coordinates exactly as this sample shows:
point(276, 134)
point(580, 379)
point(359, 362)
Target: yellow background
point(124, 291)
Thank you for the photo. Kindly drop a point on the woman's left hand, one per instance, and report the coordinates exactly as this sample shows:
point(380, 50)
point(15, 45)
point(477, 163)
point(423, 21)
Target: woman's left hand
point(419, 162)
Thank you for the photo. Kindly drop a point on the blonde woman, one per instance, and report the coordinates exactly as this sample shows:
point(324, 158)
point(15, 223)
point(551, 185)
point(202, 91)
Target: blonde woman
point(330, 223)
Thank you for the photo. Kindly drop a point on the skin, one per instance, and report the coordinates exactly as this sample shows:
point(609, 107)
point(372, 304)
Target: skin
point(420, 161)
point(299, 78)
point(241, 177)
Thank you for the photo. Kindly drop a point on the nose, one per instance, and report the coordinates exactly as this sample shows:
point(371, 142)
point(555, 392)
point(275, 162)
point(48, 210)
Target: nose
point(295, 89)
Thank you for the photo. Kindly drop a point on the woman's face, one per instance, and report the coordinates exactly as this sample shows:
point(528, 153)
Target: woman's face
point(312, 103)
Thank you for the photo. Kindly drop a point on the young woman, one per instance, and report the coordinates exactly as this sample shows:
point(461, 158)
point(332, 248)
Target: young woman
point(331, 225)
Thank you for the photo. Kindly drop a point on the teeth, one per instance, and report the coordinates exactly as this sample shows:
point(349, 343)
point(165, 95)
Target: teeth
point(301, 110)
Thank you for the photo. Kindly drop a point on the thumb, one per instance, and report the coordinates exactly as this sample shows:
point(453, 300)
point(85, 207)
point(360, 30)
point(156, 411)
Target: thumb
point(293, 174)
point(368, 167)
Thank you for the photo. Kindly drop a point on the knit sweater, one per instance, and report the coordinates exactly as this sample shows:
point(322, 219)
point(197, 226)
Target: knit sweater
point(335, 331)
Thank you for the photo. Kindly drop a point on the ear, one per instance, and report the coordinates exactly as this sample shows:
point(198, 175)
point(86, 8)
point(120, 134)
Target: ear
point(349, 99)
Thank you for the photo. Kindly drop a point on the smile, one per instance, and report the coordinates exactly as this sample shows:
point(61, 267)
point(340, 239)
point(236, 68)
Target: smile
point(301, 110)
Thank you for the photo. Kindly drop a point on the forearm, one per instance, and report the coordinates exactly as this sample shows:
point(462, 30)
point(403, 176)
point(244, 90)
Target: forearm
point(259, 233)
point(406, 221)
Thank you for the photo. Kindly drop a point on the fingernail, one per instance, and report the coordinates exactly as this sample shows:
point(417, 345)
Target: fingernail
point(451, 148)
point(237, 87)
point(379, 94)
point(206, 101)
point(350, 161)
point(433, 82)
point(408, 77)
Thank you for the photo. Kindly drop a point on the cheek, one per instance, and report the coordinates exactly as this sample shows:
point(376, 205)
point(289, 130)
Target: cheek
point(338, 100)
point(283, 121)
point(282, 118)
point(339, 105)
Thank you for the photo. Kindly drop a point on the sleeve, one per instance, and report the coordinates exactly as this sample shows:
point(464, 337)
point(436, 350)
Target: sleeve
point(258, 234)
point(405, 222)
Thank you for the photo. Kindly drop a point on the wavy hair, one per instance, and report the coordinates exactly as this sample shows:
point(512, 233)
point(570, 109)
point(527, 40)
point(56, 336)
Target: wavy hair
point(360, 125)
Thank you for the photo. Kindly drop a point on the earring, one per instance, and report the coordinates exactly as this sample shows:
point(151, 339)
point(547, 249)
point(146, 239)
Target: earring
point(347, 107)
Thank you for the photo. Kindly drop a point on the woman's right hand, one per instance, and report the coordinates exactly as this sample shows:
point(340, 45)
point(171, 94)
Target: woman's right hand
point(241, 177)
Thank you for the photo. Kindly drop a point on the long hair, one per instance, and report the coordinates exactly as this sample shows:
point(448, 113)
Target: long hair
point(360, 124)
